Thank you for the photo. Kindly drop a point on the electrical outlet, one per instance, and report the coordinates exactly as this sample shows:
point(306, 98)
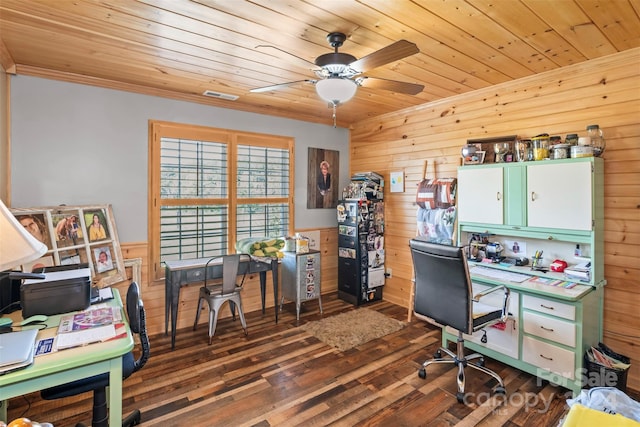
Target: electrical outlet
point(388, 273)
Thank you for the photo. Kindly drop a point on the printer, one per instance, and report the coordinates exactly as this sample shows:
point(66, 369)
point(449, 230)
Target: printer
point(59, 292)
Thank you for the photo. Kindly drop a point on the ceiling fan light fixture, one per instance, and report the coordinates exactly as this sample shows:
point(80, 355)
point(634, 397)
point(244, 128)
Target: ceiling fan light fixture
point(336, 90)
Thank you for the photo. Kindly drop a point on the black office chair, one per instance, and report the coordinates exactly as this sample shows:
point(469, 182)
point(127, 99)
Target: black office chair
point(443, 294)
point(99, 383)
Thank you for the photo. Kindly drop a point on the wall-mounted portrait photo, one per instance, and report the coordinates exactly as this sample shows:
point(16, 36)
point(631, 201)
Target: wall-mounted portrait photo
point(323, 173)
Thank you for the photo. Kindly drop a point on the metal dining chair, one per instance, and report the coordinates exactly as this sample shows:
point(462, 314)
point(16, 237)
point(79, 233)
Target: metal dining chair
point(217, 294)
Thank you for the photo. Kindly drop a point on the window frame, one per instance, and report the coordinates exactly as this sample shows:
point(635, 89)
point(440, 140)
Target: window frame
point(233, 138)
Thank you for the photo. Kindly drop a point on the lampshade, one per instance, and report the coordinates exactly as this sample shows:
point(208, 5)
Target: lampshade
point(17, 245)
point(336, 90)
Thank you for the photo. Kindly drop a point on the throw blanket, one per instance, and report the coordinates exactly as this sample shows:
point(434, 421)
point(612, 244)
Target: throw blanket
point(437, 224)
point(260, 247)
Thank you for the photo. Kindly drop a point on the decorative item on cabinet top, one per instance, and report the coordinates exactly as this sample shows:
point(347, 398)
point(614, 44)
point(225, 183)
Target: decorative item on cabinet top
point(488, 145)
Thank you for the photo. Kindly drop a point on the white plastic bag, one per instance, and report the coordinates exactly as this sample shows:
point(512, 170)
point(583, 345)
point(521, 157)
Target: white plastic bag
point(609, 400)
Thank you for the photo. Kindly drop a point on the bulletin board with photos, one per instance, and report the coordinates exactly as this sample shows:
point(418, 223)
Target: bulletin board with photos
point(76, 234)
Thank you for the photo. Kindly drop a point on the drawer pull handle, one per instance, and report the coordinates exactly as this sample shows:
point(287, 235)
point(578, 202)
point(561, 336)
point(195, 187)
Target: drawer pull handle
point(498, 196)
point(545, 357)
point(546, 329)
point(533, 196)
point(546, 306)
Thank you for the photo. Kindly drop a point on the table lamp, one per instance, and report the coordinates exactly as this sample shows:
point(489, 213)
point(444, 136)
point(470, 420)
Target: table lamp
point(17, 247)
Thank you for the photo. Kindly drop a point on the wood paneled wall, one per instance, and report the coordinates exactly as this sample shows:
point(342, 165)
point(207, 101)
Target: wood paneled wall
point(605, 91)
point(153, 293)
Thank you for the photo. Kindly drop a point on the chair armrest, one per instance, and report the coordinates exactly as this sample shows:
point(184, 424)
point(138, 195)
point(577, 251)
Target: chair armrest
point(488, 291)
point(505, 303)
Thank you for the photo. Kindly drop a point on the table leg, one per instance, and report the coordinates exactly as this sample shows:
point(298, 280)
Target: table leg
point(274, 277)
point(175, 297)
point(167, 301)
point(3, 409)
point(115, 392)
point(263, 288)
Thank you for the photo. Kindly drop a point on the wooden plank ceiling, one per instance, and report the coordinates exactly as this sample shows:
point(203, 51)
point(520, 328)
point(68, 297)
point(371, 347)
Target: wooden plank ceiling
point(180, 48)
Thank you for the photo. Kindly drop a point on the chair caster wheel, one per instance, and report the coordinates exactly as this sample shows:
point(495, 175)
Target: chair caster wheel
point(460, 397)
point(437, 354)
point(500, 390)
point(422, 373)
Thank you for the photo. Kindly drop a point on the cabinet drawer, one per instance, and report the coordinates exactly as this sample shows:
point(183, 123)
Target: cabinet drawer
point(544, 305)
point(193, 275)
point(550, 328)
point(549, 357)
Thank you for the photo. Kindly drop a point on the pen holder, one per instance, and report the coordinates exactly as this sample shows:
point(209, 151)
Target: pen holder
point(536, 263)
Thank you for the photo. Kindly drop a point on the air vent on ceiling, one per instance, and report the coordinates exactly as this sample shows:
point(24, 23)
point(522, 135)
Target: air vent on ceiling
point(220, 95)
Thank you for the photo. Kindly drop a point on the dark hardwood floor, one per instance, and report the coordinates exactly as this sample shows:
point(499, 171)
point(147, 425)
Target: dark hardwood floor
point(280, 375)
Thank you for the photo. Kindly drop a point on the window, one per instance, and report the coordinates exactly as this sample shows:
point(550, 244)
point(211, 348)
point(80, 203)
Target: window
point(212, 187)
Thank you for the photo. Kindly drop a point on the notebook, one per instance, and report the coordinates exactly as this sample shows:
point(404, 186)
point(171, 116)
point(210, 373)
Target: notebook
point(16, 349)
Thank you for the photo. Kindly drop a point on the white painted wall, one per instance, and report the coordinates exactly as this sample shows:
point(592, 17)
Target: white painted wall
point(4, 173)
point(78, 144)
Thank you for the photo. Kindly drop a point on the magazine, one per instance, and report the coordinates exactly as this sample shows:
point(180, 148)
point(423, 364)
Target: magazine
point(88, 319)
point(90, 326)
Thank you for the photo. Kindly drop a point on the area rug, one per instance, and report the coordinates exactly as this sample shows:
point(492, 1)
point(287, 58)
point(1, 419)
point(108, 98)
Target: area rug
point(353, 328)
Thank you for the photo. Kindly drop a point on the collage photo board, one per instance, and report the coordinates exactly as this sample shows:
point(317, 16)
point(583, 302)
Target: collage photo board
point(76, 235)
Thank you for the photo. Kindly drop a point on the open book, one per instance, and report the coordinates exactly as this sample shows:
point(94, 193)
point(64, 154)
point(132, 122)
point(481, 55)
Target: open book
point(89, 326)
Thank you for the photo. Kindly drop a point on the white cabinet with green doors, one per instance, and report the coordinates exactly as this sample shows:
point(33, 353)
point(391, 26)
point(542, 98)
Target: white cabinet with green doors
point(553, 207)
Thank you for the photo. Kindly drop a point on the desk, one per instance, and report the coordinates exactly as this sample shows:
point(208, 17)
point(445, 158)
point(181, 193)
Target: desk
point(183, 272)
point(69, 365)
point(548, 331)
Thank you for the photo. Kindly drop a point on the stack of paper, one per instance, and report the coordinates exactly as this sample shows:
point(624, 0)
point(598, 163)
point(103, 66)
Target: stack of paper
point(580, 272)
point(86, 327)
point(595, 355)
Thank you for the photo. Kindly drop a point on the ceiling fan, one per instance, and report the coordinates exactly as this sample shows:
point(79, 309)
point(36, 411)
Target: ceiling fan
point(340, 74)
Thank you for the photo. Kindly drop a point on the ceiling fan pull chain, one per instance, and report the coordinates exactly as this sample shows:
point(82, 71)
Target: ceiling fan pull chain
point(334, 114)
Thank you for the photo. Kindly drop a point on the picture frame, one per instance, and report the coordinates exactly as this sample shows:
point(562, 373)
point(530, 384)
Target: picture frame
point(476, 159)
point(322, 178)
point(75, 235)
point(397, 182)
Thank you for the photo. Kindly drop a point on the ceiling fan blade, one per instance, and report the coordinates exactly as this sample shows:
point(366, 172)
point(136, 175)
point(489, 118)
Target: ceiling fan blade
point(392, 85)
point(280, 86)
point(393, 52)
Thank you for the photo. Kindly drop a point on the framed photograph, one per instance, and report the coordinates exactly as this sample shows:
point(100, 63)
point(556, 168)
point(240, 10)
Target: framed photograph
point(102, 259)
point(323, 173)
point(36, 224)
point(74, 235)
point(66, 225)
point(476, 159)
point(96, 225)
point(45, 261)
